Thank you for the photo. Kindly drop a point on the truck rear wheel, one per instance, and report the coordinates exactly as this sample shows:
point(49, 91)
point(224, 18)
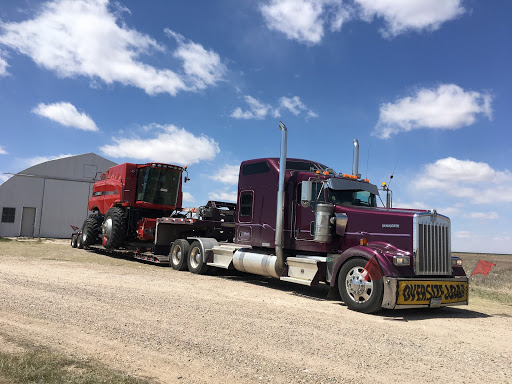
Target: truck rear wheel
point(90, 232)
point(196, 263)
point(178, 255)
point(358, 294)
point(114, 228)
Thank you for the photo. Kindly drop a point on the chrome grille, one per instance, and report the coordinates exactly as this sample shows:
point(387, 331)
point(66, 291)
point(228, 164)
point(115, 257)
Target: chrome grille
point(432, 248)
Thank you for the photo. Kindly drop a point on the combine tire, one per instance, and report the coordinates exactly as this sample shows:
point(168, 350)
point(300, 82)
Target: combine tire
point(114, 228)
point(178, 255)
point(90, 232)
point(358, 294)
point(196, 263)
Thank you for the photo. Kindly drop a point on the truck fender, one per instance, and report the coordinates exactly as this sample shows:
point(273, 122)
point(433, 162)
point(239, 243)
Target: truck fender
point(383, 252)
point(207, 244)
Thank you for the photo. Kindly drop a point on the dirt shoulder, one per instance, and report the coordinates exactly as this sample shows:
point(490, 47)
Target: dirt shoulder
point(170, 326)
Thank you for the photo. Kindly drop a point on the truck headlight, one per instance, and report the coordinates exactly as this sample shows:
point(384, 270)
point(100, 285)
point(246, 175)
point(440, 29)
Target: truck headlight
point(401, 260)
point(456, 261)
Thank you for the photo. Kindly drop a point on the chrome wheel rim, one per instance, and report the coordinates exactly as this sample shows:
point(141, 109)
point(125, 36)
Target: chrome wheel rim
point(177, 255)
point(195, 257)
point(106, 227)
point(357, 288)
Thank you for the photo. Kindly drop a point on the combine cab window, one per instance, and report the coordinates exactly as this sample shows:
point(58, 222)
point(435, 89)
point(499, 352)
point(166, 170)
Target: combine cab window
point(348, 197)
point(158, 185)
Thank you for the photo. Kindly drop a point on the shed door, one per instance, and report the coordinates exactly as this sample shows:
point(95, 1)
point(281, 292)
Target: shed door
point(28, 219)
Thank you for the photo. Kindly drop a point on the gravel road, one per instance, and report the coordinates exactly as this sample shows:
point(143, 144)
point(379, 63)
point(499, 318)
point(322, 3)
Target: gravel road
point(176, 327)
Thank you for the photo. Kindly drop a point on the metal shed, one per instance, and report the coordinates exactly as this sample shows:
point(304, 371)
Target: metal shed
point(45, 199)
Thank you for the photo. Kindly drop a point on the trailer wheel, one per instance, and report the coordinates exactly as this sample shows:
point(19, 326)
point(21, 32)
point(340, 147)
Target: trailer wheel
point(74, 240)
point(196, 263)
point(178, 255)
point(114, 227)
point(90, 232)
point(358, 294)
point(80, 241)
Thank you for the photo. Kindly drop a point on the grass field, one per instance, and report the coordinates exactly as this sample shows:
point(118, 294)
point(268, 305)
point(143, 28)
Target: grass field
point(497, 286)
point(38, 365)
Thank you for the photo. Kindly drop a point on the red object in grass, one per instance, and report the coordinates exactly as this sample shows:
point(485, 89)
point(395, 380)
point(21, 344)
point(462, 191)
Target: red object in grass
point(482, 267)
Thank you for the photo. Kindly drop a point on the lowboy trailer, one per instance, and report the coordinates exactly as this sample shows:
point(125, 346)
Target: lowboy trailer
point(295, 220)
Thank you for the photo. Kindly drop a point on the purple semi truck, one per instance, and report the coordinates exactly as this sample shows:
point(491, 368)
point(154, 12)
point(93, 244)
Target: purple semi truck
point(295, 220)
point(299, 221)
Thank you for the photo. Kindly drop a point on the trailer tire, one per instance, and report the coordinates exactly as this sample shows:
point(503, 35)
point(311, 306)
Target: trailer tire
point(90, 232)
point(114, 227)
point(178, 255)
point(74, 239)
point(196, 263)
point(80, 241)
point(358, 294)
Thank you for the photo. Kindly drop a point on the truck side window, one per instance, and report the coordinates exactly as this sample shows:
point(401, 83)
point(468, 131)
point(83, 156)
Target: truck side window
point(246, 203)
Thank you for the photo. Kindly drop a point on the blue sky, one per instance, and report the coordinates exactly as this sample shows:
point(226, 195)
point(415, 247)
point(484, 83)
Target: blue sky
point(425, 85)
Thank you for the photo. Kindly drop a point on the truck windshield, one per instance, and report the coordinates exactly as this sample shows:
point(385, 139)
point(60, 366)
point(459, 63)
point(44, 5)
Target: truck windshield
point(352, 197)
point(158, 185)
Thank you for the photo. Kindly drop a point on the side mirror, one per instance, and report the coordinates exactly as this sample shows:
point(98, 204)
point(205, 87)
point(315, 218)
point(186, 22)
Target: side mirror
point(306, 193)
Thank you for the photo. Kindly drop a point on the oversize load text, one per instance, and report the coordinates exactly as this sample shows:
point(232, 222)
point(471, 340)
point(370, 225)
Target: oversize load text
point(421, 292)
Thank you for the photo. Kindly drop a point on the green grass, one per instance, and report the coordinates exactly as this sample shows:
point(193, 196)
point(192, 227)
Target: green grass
point(39, 365)
point(497, 286)
point(4, 240)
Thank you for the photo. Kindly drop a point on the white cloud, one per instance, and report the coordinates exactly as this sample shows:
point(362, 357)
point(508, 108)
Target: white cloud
point(483, 215)
point(188, 198)
point(4, 178)
point(66, 114)
point(204, 68)
point(259, 110)
point(42, 159)
point(304, 20)
point(447, 107)
point(171, 145)
point(404, 15)
point(228, 174)
point(229, 196)
point(3, 151)
point(471, 181)
point(3, 67)
point(84, 38)
point(295, 106)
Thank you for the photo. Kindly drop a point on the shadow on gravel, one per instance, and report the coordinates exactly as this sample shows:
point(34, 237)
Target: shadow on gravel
point(429, 313)
point(318, 292)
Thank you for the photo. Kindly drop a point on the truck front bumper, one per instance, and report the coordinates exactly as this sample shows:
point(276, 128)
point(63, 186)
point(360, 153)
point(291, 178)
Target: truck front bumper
point(424, 292)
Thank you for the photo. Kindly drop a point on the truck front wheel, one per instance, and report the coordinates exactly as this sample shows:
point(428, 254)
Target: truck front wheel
point(196, 263)
point(178, 255)
point(357, 293)
point(114, 228)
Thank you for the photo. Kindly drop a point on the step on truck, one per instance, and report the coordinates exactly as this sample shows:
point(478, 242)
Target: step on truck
point(295, 220)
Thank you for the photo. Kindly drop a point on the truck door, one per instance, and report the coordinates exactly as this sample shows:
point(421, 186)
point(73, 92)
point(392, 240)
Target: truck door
point(305, 216)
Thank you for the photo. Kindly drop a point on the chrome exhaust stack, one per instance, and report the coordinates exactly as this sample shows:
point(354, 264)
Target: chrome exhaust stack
point(355, 161)
point(280, 263)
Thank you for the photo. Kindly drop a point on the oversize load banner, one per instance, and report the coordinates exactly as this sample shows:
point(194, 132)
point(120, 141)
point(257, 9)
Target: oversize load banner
point(421, 292)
